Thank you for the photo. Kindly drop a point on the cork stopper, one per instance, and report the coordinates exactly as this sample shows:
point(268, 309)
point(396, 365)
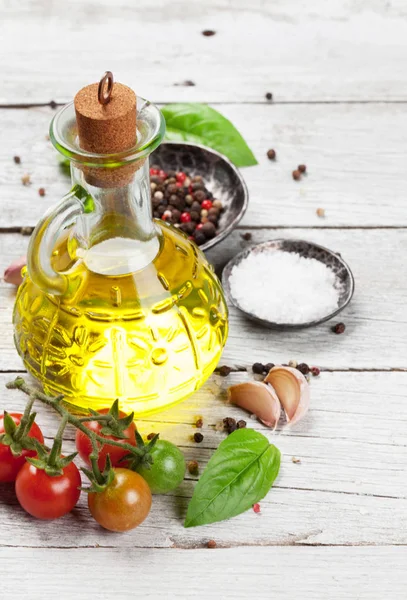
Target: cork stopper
point(106, 115)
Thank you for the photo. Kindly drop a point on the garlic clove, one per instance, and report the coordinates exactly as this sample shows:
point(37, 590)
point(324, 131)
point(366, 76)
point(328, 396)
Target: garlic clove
point(292, 390)
point(257, 398)
point(13, 273)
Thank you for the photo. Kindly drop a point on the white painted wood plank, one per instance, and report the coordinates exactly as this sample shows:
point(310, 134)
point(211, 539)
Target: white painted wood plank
point(376, 334)
point(352, 471)
point(321, 51)
point(238, 573)
point(355, 155)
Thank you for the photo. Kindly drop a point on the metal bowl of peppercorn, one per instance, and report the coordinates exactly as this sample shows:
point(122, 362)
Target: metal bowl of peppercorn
point(197, 190)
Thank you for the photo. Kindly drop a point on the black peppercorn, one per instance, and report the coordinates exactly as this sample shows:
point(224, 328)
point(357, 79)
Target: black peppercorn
point(269, 96)
point(195, 187)
point(189, 227)
point(296, 175)
point(193, 467)
point(246, 236)
point(208, 33)
point(271, 154)
point(258, 368)
point(209, 230)
point(339, 328)
point(198, 437)
point(213, 219)
point(303, 368)
point(199, 423)
point(199, 237)
point(161, 209)
point(302, 168)
point(17, 160)
point(224, 371)
point(268, 367)
point(196, 206)
point(195, 215)
point(229, 424)
point(199, 196)
point(241, 424)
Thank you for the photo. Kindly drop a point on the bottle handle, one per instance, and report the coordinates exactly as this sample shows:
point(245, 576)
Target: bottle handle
point(44, 237)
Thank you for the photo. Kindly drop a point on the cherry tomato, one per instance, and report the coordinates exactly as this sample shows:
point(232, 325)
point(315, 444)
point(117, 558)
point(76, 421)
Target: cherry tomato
point(124, 504)
point(168, 469)
point(9, 464)
point(84, 445)
point(47, 497)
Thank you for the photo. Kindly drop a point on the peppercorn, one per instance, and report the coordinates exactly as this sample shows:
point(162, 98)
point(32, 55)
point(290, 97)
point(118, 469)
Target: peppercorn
point(303, 368)
point(213, 219)
point(213, 211)
point(296, 175)
point(246, 236)
point(199, 237)
point(26, 180)
point(217, 204)
point(41, 192)
point(268, 367)
point(320, 212)
point(224, 371)
point(17, 160)
point(208, 32)
point(209, 230)
point(211, 544)
point(269, 96)
point(204, 213)
point(195, 206)
point(158, 196)
point(339, 328)
point(258, 368)
point(302, 168)
point(195, 215)
point(229, 424)
point(199, 423)
point(177, 202)
point(193, 467)
point(176, 215)
point(53, 104)
point(241, 424)
point(189, 199)
point(190, 227)
point(256, 507)
point(198, 437)
point(315, 371)
point(271, 154)
point(199, 195)
point(161, 209)
point(151, 435)
point(172, 188)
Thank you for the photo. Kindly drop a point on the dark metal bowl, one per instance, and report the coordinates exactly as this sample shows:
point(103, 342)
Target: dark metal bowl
point(221, 177)
point(331, 259)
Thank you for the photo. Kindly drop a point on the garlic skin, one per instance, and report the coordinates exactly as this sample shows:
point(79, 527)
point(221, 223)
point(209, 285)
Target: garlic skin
point(292, 389)
point(13, 273)
point(257, 398)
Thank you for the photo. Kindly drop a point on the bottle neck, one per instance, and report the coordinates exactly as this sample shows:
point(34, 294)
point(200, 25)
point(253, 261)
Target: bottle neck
point(118, 234)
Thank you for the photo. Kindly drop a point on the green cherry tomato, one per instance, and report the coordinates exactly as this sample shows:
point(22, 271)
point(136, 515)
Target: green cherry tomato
point(168, 469)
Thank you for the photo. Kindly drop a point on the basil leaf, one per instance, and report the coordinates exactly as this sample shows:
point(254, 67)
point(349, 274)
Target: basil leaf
point(199, 123)
point(239, 474)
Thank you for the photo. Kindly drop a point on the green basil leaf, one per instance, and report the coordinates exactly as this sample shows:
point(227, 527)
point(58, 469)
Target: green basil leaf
point(199, 123)
point(239, 474)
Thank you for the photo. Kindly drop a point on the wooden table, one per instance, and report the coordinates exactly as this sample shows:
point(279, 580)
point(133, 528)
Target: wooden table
point(334, 525)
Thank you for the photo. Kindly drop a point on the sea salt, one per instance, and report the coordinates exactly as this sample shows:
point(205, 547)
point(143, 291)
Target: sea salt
point(284, 287)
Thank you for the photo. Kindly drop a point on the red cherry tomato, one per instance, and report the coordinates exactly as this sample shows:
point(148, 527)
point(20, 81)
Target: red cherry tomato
point(206, 204)
point(185, 217)
point(46, 497)
point(154, 171)
point(84, 446)
point(180, 177)
point(9, 464)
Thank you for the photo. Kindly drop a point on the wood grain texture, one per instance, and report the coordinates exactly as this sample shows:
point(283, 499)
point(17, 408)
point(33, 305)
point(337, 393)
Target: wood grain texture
point(238, 573)
point(354, 154)
point(348, 489)
point(325, 51)
point(375, 315)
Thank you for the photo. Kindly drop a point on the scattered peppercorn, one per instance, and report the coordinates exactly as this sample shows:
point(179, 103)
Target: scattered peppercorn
point(224, 371)
point(246, 236)
point(229, 424)
point(241, 424)
point(320, 212)
point(26, 179)
point(296, 175)
point(198, 437)
point(26, 230)
point(293, 364)
point(269, 96)
point(193, 467)
point(151, 435)
point(208, 32)
point(302, 168)
point(199, 423)
point(17, 160)
point(315, 371)
point(41, 192)
point(296, 461)
point(256, 507)
point(258, 368)
point(186, 83)
point(268, 367)
point(339, 328)
point(211, 544)
point(303, 368)
point(271, 154)
point(53, 104)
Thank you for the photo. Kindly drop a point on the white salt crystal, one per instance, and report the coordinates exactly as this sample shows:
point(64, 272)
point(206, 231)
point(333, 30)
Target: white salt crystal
point(284, 287)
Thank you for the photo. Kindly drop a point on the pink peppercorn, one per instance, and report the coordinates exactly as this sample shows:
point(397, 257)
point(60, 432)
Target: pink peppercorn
point(256, 507)
point(315, 371)
point(154, 171)
point(181, 177)
point(206, 204)
point(185, 217)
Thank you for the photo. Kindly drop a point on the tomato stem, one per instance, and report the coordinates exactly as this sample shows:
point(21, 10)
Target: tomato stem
point(57, 445)
point(22, 428)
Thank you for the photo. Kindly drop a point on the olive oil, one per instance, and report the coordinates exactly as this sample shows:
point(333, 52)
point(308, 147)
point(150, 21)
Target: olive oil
point(145, 325)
